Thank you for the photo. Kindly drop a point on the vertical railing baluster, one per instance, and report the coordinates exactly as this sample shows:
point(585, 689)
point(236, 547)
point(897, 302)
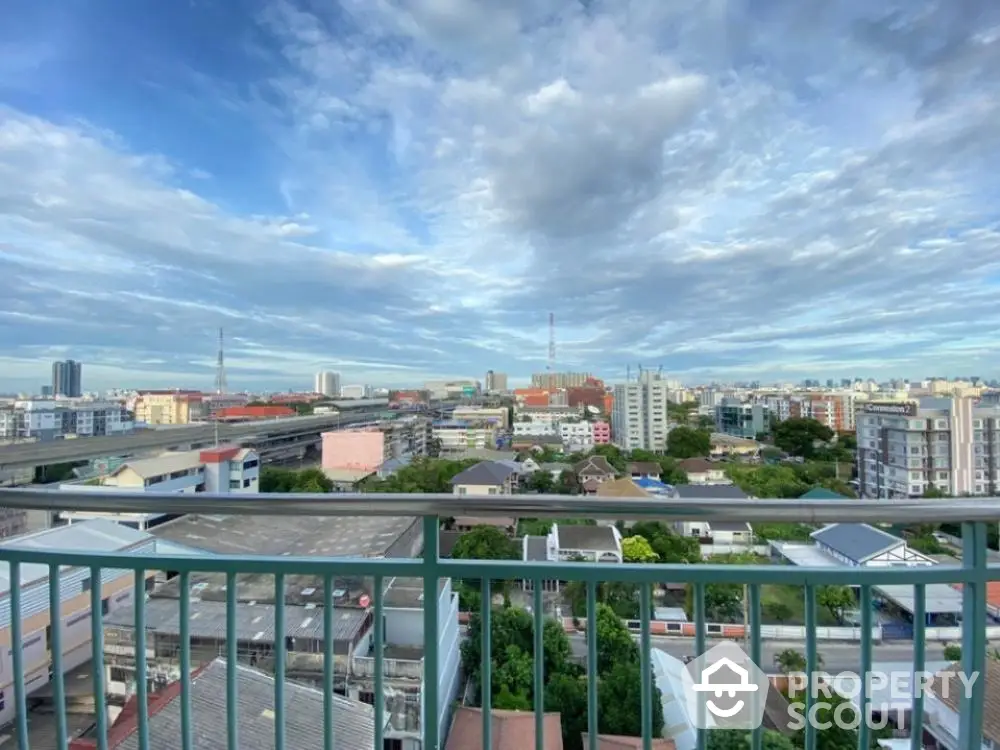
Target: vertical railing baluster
point(97, 657)
point(328, 662)
point(700, 622)
point(379, 663)
point(486, 660)
point(974, 579)
point(58, 679)
point(754, 616)
point(17, 653)
point(232, 666)
point(592, 677)
point(812, 666)
point(280, 655)
point(919, 665)
point(432, 594)
point(184, 583)
point(646, 669)
point(539, 694)
point(864, 698)
point(141, 668)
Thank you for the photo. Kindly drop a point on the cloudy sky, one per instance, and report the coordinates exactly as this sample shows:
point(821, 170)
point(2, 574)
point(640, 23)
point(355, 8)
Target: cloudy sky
point(404, 189)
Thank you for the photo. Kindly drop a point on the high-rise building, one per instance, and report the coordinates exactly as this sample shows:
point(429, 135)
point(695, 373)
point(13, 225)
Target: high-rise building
point(639, 414)
point(949, 444)
point(560, 379)
point(496, 382)
point(328, 384)
point(67, 379)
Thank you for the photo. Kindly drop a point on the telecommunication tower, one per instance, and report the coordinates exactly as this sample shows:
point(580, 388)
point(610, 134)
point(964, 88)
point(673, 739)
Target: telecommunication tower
point(220, 368)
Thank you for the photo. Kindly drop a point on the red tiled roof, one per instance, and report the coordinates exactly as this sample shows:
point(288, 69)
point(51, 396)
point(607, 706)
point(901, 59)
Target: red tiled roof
point(219, 454)
point(255, 412)
point(512, 730)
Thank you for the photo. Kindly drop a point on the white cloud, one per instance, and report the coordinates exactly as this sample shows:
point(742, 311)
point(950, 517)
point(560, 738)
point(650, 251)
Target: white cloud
point(404, 189)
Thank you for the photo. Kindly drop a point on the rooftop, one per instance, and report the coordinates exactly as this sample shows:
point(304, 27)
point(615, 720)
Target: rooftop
point(597, 538)
point(484, 473)
point(858, 542)
point(348, 536)
point(354, 722)
point(512, 730)
point(822, 493)
point(165, 463)
point(97, 535)
point(704, 491)
point(407, 593)
point(254, 622)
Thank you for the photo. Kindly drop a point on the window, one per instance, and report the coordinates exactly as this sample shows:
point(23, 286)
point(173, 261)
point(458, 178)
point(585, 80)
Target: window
point(246, 482)
point(252, 463)
point(392, 743)
point(48, 637)
point(234, 484)
point(366, 697)
point(105, 605)
point(85, 585)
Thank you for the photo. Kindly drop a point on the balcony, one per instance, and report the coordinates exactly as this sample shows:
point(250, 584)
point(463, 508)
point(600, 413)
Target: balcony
point(330, 672)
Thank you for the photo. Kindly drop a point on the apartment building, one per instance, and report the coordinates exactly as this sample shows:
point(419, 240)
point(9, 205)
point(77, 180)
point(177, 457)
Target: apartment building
point(445, 389)
point(67, 379)
point(51, 419)
point(639, 414)
point(455, 436)
point(117, 587)
point(481, 415)
point(904, 448)
point(169, 407)
point(496, 382)
point(367, 448)
point(328, 384)
point(740, 419)
point(554, 380)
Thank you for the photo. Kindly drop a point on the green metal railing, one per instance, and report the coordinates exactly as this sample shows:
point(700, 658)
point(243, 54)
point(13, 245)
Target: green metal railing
point(973, 574)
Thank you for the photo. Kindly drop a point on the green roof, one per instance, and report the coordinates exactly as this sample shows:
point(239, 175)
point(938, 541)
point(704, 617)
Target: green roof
point(821, 493)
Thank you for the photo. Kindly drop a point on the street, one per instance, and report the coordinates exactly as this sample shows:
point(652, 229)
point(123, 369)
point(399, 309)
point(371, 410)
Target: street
point(836, 656)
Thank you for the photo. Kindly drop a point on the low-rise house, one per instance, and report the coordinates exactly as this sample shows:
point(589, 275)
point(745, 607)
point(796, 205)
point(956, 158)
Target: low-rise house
point(565, 542)
point(644, 470)
point(942, 708)
point(703, 471)
point(512, 730)
point(860, 545)
point(486, 478)
point(536, 443)
point(730, 533)
point(556, 468)
point(730, 445)
point(595, 468)
point(465, 524)
point(702, 529)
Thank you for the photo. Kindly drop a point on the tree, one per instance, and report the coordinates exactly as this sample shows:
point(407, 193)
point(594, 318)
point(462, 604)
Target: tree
point(835, 599)
point(541, 482)
point(767, 480)
point(737, 739)
point(933, 493)
point(486, 543)
point(777, 611)
point(505, 700)
point(636, 549)
point(834, 714)
point(619, 700)
point(952, 652)
point(568, 483)
point(619, 596)
point(567, 693)
point(669, 546)
point(671, 472)
point(723, 602)
point(613, 454)
point(615, 644)
point(688, 442)
point(790, 660)
point(273, 479)
point(799, 436)
point(422, 475)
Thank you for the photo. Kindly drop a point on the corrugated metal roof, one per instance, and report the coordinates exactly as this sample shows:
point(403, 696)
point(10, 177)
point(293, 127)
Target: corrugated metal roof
point(856, 541)
point(165, 464)
point(97, 535)
point(354, 721)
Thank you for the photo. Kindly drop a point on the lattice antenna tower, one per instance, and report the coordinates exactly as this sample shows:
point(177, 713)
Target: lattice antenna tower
point(551, 366)
point(220, 368)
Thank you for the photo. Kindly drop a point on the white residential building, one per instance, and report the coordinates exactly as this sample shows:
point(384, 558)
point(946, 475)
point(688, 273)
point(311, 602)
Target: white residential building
point(639, 417)
point(354, 391)
point(52, 419)
point(904, 448)
point(536, 429)
point(226, 469)
point(328, 384)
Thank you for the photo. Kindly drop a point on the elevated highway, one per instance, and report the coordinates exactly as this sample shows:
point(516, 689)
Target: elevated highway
point(30, 455)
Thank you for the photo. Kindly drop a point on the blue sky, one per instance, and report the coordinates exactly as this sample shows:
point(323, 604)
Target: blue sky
point(404, 189)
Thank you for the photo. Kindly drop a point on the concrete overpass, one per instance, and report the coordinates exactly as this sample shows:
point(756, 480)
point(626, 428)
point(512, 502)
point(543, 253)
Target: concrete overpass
point(258, 432)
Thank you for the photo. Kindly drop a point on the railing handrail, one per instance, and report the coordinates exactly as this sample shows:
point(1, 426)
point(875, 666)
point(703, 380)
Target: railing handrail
point(520, 506)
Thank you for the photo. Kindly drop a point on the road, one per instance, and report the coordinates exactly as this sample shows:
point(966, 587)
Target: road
point(837, 657)
point(35, 454)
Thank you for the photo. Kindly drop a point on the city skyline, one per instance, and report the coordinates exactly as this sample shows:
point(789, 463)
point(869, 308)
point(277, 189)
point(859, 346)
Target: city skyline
point(811, 196)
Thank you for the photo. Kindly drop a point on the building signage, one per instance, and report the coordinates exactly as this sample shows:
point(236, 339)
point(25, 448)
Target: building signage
point(891, 409)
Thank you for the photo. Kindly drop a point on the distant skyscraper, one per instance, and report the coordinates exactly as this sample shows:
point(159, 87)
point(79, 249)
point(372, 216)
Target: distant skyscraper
point(328, 384)
point(496, 382)
point(67, 378)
